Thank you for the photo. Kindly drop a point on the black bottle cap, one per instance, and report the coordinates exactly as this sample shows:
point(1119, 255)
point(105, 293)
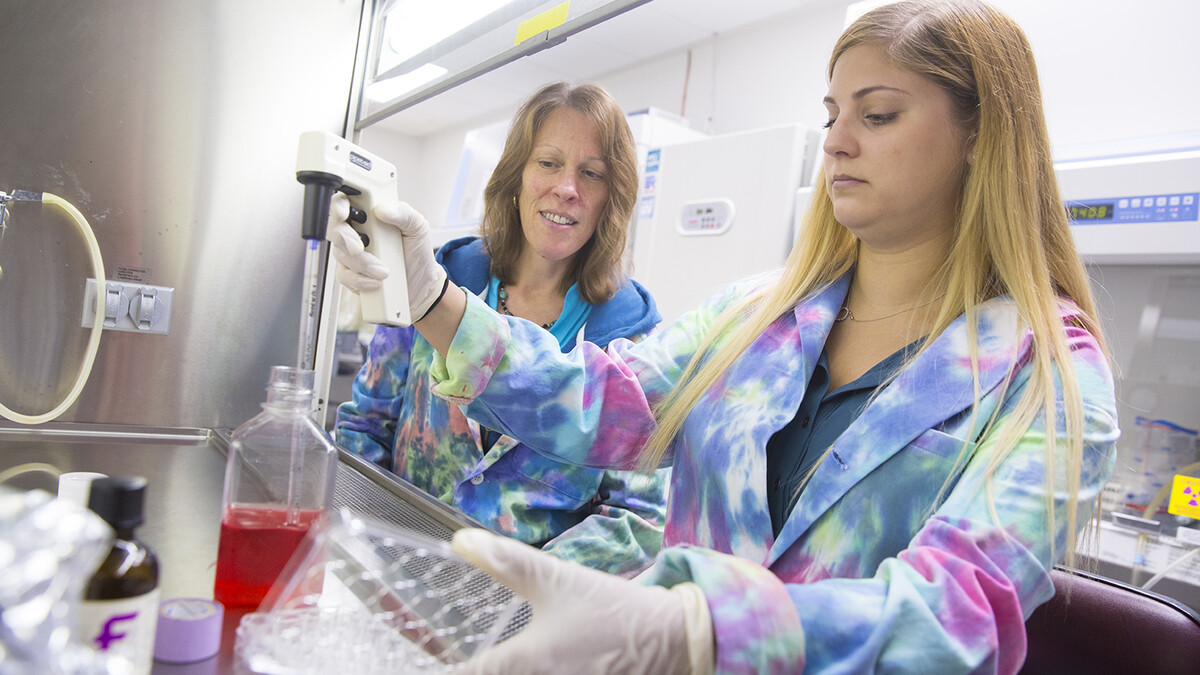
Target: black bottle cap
point(118, 500)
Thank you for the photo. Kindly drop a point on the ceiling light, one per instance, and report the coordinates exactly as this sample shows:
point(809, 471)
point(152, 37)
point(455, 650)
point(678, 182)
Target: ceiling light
point(381, 91)
point(412, 26)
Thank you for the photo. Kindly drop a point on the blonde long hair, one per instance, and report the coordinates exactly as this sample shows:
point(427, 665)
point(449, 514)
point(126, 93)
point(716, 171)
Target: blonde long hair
point(1012, 235)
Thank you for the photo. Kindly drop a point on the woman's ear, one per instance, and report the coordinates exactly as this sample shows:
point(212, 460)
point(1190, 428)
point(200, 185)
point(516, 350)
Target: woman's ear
point(972, 143)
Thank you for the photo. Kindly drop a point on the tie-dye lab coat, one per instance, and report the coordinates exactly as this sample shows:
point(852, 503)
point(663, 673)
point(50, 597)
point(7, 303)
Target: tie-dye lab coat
point(608, 520)
point(871, 572)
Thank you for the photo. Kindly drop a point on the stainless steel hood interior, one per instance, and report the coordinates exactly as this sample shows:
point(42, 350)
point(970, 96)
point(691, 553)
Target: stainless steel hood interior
point(172, 126)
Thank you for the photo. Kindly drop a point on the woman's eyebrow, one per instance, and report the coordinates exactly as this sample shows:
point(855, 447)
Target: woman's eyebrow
point(867, 90)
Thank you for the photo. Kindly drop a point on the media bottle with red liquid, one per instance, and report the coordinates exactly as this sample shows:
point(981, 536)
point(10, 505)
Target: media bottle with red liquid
point(278, 480)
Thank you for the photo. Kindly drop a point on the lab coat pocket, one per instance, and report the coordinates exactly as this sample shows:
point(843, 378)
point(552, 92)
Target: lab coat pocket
point(916, 474)
point(889, 505)
point(933, 458)
point(576, 483)
point(941, 444)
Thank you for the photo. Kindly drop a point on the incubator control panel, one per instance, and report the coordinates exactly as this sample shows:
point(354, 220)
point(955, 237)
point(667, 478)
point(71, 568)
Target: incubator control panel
point(1140, 209)
point(708, 216)
point(1158, 208)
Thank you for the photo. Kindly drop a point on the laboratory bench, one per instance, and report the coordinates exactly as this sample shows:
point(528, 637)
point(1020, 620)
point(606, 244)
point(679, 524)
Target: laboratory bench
point(185, 472)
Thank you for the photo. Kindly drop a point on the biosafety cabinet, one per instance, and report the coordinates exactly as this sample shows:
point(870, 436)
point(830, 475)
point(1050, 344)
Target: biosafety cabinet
point(178, 147)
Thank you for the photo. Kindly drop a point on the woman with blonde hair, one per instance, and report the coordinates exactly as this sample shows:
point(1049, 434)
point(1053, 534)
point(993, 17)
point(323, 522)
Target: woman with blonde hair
point(880, 451)
point(556, 210)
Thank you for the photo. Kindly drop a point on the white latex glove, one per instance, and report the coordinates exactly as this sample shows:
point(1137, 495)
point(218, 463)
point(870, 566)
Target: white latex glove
point(585, 621)
point(362, 271)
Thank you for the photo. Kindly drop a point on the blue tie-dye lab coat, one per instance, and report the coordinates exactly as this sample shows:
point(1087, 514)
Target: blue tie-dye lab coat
point(876, 569)
point(608, 520)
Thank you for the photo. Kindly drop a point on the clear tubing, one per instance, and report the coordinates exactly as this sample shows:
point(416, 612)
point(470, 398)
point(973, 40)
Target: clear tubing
point(311, 302)
point(29, 467)
point(85, 369)
point(1167, 570)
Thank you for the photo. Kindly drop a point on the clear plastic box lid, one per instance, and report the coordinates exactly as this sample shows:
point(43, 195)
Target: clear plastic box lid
point(364, 596)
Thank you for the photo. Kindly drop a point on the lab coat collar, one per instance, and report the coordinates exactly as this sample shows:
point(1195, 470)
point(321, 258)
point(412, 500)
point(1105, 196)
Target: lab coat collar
point(493, 454)
point(921, 397)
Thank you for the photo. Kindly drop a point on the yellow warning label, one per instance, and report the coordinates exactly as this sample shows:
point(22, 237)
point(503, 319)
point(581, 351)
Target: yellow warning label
point(551, 18)
point(1185, 497)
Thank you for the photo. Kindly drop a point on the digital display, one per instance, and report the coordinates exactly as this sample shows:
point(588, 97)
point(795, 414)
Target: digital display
point(1091, 211)
point(1135, 209)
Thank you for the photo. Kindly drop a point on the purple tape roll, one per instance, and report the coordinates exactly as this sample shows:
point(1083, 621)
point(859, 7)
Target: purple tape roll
point(189, 629)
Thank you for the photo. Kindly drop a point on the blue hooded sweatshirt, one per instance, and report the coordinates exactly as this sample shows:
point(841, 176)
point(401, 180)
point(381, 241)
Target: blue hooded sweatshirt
point(608, 520)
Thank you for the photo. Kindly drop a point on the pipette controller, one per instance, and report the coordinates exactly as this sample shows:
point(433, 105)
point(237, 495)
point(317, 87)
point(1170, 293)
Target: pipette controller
point(327, 162)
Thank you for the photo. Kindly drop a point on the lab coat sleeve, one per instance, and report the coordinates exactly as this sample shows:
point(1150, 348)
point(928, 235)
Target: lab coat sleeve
point(621, 530)
point(624, 531)
point(590, 406)
point(366, 424)
point(955, 600)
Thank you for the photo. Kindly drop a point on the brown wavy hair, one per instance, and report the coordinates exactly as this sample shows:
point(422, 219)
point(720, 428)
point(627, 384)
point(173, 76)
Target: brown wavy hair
point(597, 267)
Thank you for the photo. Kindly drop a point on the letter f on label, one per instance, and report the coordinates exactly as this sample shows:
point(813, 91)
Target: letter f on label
point(108, 636)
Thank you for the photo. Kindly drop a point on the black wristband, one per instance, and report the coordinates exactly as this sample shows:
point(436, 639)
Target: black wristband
point(445, 285)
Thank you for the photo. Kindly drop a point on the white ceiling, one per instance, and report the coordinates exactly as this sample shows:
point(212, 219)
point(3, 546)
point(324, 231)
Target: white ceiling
point(654, 29)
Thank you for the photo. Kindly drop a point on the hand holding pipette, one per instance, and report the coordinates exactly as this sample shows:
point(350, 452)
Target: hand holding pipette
point(360, 270)
point(367, 210)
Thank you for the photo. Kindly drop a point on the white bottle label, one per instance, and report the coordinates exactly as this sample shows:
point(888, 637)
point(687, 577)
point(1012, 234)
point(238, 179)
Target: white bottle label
point(124, 627)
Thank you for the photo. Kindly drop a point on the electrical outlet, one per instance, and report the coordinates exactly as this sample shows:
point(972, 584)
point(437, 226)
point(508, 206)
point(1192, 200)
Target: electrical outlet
point(137, 308)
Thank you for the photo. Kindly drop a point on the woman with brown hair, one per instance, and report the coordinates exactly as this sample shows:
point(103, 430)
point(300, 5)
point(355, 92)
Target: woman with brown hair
point(556, 211)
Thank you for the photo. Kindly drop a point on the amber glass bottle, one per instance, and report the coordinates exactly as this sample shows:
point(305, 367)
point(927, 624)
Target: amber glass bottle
point(120, 607)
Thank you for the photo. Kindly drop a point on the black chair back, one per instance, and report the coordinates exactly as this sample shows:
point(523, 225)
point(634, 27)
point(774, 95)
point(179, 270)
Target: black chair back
point(1104, 626)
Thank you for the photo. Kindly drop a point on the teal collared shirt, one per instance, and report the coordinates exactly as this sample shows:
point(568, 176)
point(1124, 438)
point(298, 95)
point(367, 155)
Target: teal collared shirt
point(822, 417)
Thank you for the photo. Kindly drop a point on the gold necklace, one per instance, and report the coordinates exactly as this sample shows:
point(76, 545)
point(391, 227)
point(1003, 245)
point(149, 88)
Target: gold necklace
point(844, 313)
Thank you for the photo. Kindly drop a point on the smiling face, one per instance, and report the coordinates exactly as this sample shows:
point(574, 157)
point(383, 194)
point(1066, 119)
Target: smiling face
point(894, 153)
point(564, 187)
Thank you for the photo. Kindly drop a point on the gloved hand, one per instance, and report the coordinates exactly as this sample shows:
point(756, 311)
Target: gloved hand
point(585, 621)
point(362, 271)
